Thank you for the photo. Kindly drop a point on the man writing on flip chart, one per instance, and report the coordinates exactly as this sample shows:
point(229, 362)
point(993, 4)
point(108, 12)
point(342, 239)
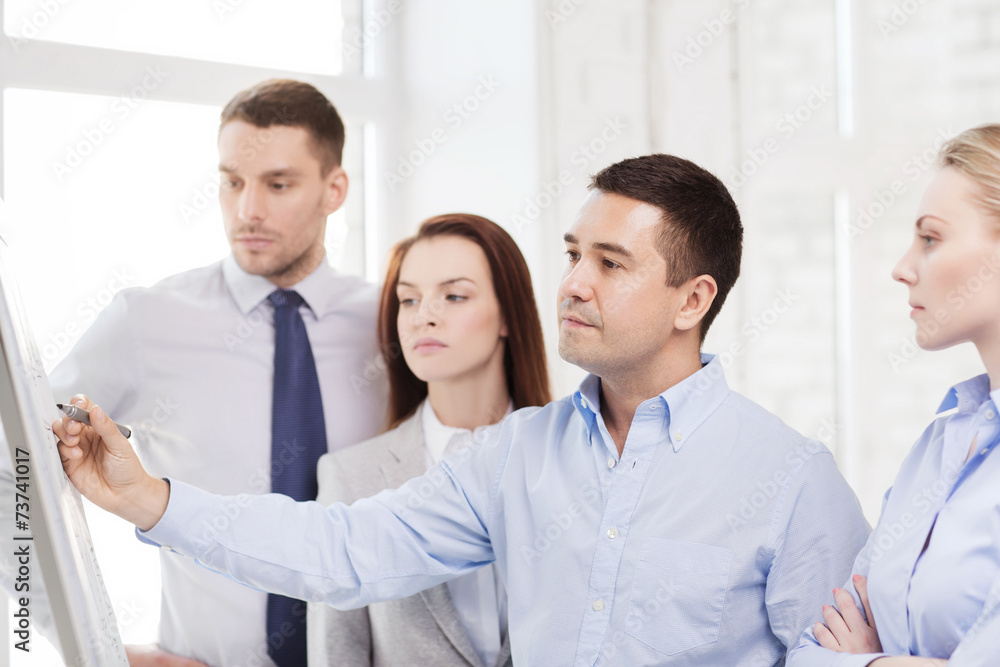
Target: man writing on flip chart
point(613, 514)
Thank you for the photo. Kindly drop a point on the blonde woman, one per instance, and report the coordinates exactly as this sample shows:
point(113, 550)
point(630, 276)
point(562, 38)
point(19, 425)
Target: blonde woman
point(926, 587)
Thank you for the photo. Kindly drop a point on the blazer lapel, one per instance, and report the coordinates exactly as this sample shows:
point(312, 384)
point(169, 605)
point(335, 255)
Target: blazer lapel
point(442, 608)
point(406, 454)
point(407, 458)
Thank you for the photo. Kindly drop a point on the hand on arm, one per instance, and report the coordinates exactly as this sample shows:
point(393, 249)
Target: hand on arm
point(846, 631)
point(102, 465)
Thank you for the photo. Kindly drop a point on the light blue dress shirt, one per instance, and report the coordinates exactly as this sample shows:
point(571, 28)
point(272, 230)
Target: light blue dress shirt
point(943, 601)
point(713, 540)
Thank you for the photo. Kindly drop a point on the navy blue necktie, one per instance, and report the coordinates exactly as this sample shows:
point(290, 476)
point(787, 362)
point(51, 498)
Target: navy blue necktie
point(298, 439)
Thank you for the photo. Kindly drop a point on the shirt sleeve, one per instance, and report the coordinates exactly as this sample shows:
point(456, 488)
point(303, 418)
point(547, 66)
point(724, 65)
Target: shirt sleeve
point(809, 653)
point(335, 636)
point(432, 529)
point(819, 529)
point(102, 364)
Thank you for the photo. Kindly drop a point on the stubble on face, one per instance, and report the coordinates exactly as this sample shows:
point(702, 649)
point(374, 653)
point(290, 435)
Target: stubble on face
point(615, 312)
point(273, 200)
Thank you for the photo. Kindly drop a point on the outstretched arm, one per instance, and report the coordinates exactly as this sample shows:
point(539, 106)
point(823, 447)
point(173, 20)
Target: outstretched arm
point(430, 530)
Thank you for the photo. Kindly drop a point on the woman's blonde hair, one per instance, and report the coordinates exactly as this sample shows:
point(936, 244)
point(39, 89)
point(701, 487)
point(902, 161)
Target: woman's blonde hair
point(976, 153)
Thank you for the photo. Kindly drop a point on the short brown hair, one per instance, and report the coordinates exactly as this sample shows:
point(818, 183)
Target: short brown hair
point(701, 232)
point(292, 104)
point(524, 350)
point(976, 153)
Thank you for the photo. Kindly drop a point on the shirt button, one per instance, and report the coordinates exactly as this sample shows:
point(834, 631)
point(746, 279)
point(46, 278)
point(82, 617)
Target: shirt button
point(678, 436)
point(166, 548)
point(583, 402)
point(598, 604)
point(990, 414)
point(612, 533)
point(611, 462)
point(983, 452)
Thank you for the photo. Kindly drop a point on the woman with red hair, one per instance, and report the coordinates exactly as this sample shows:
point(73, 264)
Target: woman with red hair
point(462, 344)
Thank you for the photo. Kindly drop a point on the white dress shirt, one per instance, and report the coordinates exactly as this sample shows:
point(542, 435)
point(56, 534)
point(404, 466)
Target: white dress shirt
point(480, 598)
point(188, 364)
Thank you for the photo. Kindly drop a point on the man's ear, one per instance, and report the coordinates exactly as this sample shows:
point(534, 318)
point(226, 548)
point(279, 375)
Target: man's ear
point(336, 189)
point(700, 295)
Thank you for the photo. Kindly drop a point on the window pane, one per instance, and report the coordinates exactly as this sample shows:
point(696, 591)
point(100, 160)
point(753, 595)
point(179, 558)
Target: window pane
point(101, 196)
point(97, 200)
point(299, 35)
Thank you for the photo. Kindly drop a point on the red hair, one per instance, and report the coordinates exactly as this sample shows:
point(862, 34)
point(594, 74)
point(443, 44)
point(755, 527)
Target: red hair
point(524, 349)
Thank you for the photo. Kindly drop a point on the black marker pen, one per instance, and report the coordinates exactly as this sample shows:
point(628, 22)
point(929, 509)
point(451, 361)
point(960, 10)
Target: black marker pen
point(78, 414)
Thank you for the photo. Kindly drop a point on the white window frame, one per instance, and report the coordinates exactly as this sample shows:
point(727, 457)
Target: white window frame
point(373, 97)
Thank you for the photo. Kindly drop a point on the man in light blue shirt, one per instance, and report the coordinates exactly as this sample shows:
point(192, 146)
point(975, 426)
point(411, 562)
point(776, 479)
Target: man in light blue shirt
point(654, 517)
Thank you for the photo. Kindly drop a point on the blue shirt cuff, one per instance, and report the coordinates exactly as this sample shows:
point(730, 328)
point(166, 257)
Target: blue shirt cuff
point(174, 527)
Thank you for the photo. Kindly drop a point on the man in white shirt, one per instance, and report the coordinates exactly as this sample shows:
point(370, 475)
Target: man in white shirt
point(190, 361)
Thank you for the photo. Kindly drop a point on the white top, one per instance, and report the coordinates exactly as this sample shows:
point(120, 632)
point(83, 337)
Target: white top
point(188, 364)
point(480, 597)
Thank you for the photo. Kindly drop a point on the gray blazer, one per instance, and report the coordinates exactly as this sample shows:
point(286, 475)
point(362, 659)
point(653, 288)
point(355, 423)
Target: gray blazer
point(423, 629)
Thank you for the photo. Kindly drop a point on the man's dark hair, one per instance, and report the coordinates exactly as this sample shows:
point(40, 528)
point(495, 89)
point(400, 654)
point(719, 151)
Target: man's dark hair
point(701, 231)
point(292, 104)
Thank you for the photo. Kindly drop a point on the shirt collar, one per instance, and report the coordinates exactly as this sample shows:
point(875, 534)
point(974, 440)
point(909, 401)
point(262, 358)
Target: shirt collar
point(317, 289)
point(967, 396)
point(693, 399)
point(438, 436)
point(689, 402)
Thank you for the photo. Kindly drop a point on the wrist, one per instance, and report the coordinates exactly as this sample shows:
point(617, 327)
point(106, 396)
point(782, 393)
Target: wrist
point(145, 506)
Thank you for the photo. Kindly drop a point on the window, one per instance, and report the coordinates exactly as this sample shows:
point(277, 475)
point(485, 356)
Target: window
point(109, 176)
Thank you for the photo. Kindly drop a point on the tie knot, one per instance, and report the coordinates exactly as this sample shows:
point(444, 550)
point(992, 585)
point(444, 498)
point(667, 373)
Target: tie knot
point(285, 297)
